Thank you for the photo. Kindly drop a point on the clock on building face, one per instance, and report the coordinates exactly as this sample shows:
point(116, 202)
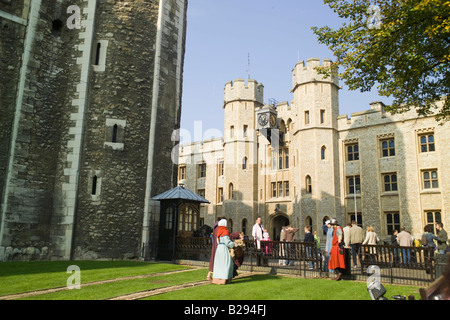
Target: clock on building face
point(263, 119)
point(273, 120)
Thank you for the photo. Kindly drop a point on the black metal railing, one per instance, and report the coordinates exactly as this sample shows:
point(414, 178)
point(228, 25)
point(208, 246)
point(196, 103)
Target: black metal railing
point(396, 264)
point(400, 263)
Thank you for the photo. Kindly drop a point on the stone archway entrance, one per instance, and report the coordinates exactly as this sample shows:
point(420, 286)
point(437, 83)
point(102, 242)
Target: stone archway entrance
point(278, 221)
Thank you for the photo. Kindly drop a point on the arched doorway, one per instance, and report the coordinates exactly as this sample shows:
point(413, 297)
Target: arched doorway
point(278, 222)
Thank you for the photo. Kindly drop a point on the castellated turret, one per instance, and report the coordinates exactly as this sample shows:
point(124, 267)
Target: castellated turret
point(239, 91)
point(304, 73)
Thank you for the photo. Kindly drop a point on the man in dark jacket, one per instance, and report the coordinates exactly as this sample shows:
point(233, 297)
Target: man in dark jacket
point(310, 249)
point(442, 238)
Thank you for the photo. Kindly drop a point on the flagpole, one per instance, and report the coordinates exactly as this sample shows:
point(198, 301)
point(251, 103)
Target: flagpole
point(354, 197)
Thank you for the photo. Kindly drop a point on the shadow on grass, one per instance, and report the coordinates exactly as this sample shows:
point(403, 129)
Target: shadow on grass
point(255, 278)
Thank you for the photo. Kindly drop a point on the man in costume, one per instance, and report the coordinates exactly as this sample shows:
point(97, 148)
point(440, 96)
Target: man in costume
point(223, 264)
point(337, 258)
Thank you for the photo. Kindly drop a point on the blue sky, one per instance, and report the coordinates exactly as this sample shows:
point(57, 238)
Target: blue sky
point(276, 33)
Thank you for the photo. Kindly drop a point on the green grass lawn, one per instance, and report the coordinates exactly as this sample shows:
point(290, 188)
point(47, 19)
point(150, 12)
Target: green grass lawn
point(118, 288)
point(267, 287)
point(17, 277)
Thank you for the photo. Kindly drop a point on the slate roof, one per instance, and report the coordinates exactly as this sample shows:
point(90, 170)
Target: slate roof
point(180, 193)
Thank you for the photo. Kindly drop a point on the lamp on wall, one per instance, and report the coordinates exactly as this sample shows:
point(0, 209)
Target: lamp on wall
point(277, 209)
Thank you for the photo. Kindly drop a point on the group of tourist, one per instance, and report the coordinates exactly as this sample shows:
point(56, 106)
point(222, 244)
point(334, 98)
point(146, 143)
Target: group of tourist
point(227, 255)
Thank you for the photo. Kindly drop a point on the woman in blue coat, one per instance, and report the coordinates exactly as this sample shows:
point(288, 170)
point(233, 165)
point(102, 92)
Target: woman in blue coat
point(223, 263)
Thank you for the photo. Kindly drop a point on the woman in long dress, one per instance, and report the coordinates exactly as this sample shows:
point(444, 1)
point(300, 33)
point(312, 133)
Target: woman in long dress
point(337, 259)
point(223, 263)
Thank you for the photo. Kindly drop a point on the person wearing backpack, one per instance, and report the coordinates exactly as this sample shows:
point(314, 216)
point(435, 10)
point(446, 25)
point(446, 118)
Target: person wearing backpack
point(428, 237)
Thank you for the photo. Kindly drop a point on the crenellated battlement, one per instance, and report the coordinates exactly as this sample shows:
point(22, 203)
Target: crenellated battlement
point(305, 72)
point(239, 90)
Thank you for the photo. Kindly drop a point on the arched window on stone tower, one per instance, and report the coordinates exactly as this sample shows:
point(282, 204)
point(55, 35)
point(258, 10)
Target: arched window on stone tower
point(308, 184)
point(244, 226)
point(309, 221)
point(114, 133)
point(323, 151)
point(230, 191)
point(244, 163)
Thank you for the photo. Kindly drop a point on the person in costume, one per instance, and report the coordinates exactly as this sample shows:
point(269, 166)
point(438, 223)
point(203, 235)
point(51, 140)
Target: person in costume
point(223, 263)
point(238, 250)
point(213, 249)
point(337, 258)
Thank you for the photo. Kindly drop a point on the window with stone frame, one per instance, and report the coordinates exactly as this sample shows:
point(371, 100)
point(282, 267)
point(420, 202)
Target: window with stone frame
point(182, 172)
point(392, 222)
point(230, 191)
point(322, 116)
point(308, 184)
point(432, 217)
point(430, 179)
point(387, 147)
point(286, 188)
point(95, 178)
point(323, 153)
point(244, 163)
point(115, 134)
point(244, 226)
point(220, 169)
point(352, 151)
point(427, 143)
point(101, 49)
point(201, 170)
point(353, 184)
point(280, 189)
point(389, 182)
point(220, 195)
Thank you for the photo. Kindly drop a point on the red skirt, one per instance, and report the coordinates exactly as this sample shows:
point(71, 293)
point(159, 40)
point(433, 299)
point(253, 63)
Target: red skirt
point(336, 260)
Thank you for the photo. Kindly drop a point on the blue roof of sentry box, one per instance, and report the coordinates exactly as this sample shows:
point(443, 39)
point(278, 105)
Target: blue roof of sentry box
point(180, 193)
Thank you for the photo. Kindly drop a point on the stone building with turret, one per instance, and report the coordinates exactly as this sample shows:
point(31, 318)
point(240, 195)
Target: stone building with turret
point(90, 95)
point(301, 162)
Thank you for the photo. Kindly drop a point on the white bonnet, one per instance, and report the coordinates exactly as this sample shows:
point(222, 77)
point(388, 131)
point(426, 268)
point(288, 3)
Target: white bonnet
point(223, 223)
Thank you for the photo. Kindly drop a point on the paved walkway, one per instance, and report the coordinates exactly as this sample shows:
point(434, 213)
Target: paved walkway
point(132, 296)
point(153, 292)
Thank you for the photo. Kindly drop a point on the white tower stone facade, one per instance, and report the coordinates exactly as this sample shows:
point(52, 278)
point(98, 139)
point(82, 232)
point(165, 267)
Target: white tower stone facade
point(380, 169)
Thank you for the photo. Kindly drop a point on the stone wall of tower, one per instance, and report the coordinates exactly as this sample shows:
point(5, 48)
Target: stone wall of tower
point(78, 110)
point(317, 105)
point(43, 94)
point(12, 37)
point(139, 90)
point(240, 145)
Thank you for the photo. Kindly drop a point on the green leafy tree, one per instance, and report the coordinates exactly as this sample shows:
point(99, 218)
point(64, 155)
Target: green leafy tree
point(400, 46)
